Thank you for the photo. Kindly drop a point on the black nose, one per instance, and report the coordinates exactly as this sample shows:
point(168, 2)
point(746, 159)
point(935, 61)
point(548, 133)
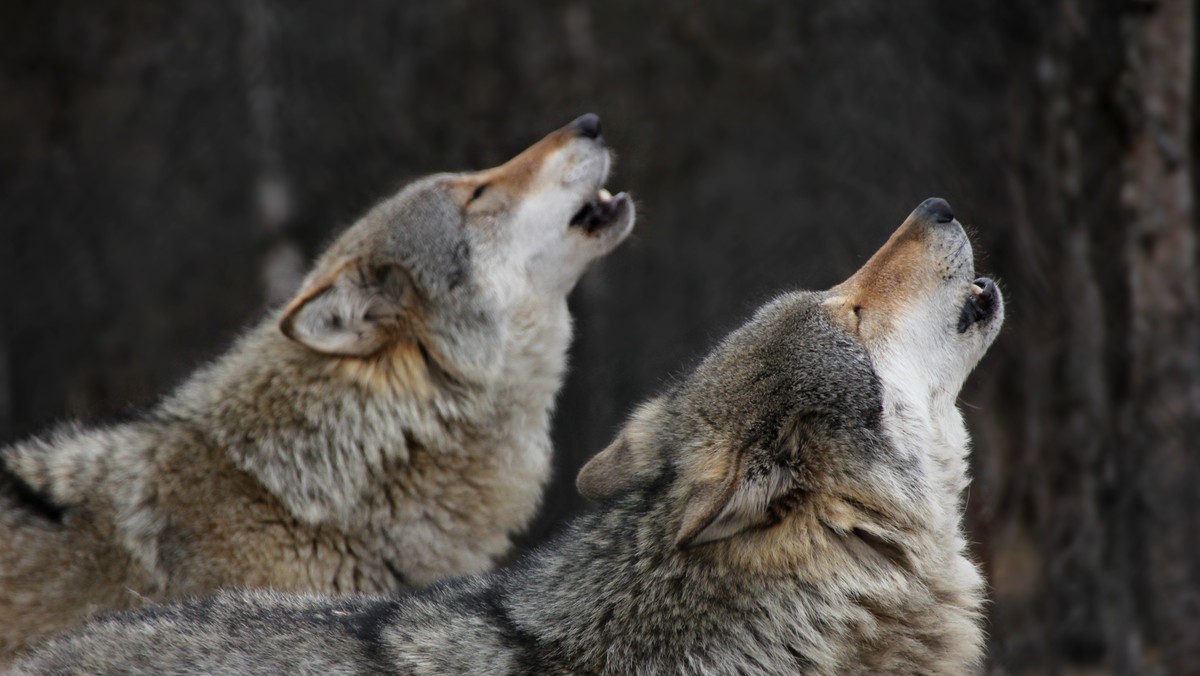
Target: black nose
point(588, 125)
point(935, 209)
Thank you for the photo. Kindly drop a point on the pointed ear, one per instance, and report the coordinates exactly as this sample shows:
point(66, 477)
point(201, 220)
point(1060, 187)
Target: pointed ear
point(732, 503)
point(608, 472)
point(629, 456)
point(736, 492)
point(352, 312)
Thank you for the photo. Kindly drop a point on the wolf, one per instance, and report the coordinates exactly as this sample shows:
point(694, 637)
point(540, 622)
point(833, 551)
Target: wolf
point(387, 428)
point(793, 505)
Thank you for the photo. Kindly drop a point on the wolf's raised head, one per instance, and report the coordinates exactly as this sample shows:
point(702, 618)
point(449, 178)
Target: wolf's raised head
point(821, 441)
point(437, 323)
point(453, 254)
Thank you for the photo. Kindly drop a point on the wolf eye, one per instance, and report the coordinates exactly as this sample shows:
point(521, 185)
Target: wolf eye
point(478, 191)
point(858, 314)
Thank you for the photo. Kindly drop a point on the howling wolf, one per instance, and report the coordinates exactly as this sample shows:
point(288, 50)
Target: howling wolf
point(387, 428)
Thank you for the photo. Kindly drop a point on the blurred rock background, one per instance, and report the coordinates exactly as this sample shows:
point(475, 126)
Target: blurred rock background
point(167, 170)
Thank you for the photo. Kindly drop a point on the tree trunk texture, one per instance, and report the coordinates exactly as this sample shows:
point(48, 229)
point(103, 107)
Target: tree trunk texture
point(1087, 475)
point(1164, 407)
point(167, 170)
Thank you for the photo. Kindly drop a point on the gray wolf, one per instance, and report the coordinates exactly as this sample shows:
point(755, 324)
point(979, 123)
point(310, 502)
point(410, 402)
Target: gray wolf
point(794, 505)
point(385, 429)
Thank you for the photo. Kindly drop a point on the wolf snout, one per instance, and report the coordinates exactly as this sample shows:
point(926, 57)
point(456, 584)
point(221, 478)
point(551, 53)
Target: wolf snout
point(934, 210)
point(588, 126)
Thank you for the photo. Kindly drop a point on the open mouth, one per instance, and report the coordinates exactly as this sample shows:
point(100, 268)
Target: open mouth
point(601, 211)
point(980, 306)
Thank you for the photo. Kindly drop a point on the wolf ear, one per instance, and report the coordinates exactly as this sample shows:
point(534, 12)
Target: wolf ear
point(608, 472)
point(734, 498)
point(629, 456)
point(353, 312)
point(734, 503)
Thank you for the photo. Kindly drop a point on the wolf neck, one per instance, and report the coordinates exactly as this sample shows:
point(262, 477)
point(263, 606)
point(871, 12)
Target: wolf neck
point(923, 420)
point(330, 441)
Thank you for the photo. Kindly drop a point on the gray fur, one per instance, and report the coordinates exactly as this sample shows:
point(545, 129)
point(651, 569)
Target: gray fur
point(385, 430)
point(781, 510)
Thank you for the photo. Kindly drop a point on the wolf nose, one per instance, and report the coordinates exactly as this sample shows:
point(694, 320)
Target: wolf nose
point(934, 209)
point(588, 125)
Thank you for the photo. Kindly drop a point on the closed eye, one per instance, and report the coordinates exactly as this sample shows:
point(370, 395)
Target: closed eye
point(479, 190)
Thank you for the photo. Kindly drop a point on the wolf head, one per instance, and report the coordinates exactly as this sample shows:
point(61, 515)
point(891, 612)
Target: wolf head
point(827, 424)
point(453, 255)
